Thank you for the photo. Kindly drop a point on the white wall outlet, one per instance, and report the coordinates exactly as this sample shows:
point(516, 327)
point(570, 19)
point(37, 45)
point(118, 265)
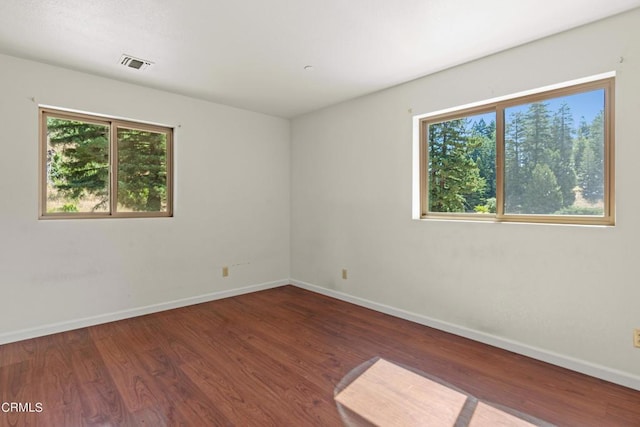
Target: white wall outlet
point(225, 271)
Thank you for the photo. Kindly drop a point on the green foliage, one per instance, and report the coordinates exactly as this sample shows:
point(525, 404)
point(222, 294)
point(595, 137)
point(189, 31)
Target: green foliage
point(514, 153)
point(561, 161)
point(543, 194)
point(537, 135)
point(142, 172)
point(68, 207)
point(589, 154)
point(485, 158)
point(79, 159)
point(488, 207)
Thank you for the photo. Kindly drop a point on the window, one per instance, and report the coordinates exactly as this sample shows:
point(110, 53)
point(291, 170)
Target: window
point(94, 167)
point(546, 157)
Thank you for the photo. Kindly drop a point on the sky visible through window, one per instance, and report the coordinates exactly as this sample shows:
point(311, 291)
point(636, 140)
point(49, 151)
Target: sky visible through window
point(585, 105)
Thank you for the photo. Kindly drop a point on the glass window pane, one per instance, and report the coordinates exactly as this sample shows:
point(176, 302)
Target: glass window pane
point(77, 175)
point(142, 171)
point(461, 163)
point(554, 156)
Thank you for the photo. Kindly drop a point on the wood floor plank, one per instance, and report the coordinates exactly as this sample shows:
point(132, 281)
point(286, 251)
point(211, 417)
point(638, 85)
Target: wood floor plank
point(137, 387)
point(273, 358)
point(306, 403)
point(101, 401)
point(16, 352)
point(193, 404)
point(16, 380)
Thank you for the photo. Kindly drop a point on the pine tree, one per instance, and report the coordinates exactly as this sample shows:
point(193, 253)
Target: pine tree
point(591, 170)
point(579, 144)
point(142, 172)
point(561, 161)
point(514, 163)
point(538, 138)
point(453, 174)
point(543, 194)
point(485, 157)
point(78, 160)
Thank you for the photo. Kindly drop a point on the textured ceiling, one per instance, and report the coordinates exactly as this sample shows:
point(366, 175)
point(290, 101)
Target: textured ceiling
point(252, 53)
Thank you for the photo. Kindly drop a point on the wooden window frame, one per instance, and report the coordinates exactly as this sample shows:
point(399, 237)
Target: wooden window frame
point(114, 124)
point(608, 217)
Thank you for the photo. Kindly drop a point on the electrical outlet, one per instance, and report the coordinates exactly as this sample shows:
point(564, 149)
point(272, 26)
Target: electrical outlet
point(636, 337)
point(344, 273)
point(225, 271)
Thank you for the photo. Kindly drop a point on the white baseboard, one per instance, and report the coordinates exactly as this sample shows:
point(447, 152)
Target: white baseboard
point(53, 328)
point(602, 372)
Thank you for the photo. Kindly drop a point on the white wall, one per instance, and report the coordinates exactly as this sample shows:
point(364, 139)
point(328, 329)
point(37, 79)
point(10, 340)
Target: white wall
point(231, 207)
point(568, 294)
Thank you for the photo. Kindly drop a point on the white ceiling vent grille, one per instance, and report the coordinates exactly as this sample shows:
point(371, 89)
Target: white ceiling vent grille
point(136, 63)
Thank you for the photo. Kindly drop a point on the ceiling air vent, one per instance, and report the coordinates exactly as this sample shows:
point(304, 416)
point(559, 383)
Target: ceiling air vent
point(137, 63)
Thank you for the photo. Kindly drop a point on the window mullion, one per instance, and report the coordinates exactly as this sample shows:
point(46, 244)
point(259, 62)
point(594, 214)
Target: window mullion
point(424, 170)
point(500, 161)
point(609, 152)
point(113, 169)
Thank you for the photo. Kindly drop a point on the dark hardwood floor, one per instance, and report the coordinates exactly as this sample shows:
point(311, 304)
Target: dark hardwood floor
point(272, 358)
